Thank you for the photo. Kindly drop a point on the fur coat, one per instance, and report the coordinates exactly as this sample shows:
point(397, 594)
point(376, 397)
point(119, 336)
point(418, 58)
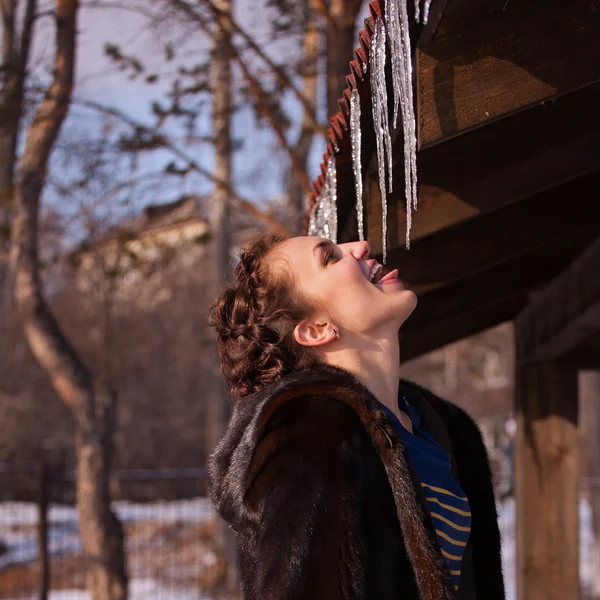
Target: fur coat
point(315, 482)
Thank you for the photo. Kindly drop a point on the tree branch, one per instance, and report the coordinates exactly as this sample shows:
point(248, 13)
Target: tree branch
point(53, 351)
point(262, 100)
point(28, 21)
point(9, 8)
point(247, 205)
point(278, 71)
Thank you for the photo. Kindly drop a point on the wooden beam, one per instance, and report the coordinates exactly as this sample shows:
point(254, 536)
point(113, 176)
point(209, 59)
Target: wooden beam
point(416, 343)
point(587, 354)
point(566, 313)
point(511, 159)
point(520, 275)
point(547, 482)
point(464, 14)
point(517, 229)
point(506, 64)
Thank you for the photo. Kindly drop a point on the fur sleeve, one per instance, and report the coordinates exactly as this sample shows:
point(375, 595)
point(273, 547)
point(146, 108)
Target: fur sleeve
point(476, 481)
point(302, 494)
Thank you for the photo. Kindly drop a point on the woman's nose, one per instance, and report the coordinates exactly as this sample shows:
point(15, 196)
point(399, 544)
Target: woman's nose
point(360, 250)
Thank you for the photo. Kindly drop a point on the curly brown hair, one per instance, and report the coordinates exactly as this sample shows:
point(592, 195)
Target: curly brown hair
point(255, 317)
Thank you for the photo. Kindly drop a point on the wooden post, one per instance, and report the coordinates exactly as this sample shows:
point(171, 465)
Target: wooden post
point(589, 394)
point(547, 482)
point(43, 505)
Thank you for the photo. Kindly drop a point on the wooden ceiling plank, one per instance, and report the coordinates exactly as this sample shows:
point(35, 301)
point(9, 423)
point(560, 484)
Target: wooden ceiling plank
point(520, 275)
point(438, 335)
point(506, 64)
point(474, 245)
point(565, 314)
point(483, 170)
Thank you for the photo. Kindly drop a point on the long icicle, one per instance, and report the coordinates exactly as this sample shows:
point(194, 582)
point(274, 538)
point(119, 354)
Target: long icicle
point(312, 219)
point(380, 120)
point(331, 178)
point(401, 59)
point(426, 8)
point(356, 141)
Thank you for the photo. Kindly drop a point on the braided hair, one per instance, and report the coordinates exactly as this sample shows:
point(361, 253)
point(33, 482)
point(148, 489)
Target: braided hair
point(255, 317)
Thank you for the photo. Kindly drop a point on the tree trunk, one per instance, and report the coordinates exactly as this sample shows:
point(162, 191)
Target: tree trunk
point(13, 62)
point(341, 21)
point(218, 409)
point(101, 531)
point(43, 554)
point(92, 405)
point(309, 77)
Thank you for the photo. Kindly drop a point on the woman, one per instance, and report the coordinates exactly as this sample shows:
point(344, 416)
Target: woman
point(341, 481)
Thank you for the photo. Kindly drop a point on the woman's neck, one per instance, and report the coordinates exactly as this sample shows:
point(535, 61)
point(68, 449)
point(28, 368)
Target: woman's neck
point(375, 364)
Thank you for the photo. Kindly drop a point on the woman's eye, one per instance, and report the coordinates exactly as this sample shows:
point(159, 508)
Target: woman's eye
point(329, 257)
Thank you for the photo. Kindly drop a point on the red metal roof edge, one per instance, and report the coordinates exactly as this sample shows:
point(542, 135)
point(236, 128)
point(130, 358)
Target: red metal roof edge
point(340, 121)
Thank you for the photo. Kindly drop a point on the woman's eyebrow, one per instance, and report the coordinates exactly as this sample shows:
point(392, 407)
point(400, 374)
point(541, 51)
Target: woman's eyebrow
point(321, 244)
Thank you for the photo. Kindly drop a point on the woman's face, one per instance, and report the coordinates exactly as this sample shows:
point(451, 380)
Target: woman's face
point(337, 279)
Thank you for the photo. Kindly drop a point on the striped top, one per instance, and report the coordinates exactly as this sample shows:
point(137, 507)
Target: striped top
point(447, 503)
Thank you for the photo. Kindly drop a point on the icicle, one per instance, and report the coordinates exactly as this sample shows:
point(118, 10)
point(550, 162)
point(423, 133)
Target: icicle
point(426, 8)
point(356, 141)
point(401, 59)
point(417, 10)
point(312, 219)
point(380, 120)
point(331, 179)
point(324, 220)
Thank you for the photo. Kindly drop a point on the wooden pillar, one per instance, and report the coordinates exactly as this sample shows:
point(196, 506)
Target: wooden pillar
point(547, 482)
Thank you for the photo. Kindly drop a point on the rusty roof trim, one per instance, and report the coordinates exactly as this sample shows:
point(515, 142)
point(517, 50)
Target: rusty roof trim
point(340, 121)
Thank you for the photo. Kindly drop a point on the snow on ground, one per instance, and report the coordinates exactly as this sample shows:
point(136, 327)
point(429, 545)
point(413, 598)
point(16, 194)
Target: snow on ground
point(17, 521)
point(140, 589)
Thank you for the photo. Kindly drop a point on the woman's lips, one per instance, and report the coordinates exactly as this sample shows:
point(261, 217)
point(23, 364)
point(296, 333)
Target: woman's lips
point(391, 277)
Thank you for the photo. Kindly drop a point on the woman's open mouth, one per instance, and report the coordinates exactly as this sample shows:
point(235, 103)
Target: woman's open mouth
point(379, 275)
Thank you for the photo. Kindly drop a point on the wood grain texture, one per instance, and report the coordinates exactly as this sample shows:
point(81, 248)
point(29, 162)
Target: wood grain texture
point(449, 313)
point(504, 65)
point(547, 481)
point(566, 313)
point(459, 326)
point(475, 245)
point(511, 159)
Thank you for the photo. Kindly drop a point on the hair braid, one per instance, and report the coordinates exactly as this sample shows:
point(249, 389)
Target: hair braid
point(254, 318)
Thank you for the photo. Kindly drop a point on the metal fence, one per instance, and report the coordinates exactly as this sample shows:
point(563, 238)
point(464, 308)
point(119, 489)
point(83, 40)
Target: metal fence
point(169, 527)
point(170, 554)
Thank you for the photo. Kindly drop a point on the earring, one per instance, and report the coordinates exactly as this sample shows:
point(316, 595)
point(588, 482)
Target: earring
point(335, 331)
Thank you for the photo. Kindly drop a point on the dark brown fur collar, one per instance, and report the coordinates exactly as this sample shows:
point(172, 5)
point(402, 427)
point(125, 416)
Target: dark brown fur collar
point(230, 463)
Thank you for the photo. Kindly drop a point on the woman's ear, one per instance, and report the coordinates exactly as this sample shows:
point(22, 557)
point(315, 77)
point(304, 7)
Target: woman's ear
point(314, 332)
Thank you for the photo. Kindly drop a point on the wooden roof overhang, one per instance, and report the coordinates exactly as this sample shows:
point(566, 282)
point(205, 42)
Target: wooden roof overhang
point(508, 113)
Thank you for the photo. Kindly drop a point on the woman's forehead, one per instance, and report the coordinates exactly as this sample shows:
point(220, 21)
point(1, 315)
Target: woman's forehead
point(299, 248)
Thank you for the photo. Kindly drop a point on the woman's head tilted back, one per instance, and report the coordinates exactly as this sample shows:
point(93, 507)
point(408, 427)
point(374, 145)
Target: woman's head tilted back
point(294, 300)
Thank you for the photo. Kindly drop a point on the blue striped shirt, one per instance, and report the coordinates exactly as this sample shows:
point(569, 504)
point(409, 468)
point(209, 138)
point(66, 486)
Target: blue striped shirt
point(447, 503)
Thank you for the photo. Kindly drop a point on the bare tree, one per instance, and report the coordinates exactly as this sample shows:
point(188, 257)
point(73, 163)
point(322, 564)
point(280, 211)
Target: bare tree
point(341, 17)
point(218, 410)
point(90, 400)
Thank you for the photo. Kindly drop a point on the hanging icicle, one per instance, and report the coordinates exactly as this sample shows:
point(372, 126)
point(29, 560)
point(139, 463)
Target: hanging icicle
point(323, 216)
point(380, 120)
point(426, 8)
point(356, 141)
point(312, 219)
point(331, 187)
point(401, 62)
point(417, 10)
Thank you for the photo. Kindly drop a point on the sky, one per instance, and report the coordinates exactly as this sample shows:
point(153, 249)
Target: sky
point(260, 166)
